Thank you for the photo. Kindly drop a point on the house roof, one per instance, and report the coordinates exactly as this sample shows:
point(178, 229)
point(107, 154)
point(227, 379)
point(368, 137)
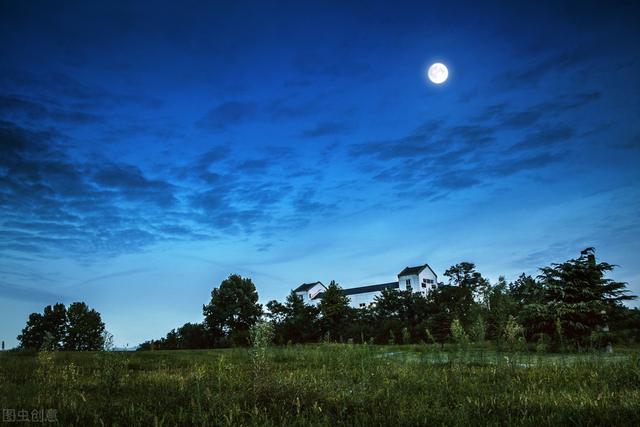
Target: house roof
point(364, 289)
point(408, 271)
point(306, 286)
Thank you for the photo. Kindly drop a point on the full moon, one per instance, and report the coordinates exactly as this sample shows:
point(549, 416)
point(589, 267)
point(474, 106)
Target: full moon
point(438, 73)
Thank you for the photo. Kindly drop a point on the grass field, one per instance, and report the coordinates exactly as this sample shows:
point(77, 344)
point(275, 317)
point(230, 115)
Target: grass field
point(328, 384)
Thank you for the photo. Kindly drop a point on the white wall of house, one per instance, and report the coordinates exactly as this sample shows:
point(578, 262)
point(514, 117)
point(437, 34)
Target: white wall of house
point(428, 281)
point(309, 294)
point(410, 282)
point(422, 283)
point(366, 299)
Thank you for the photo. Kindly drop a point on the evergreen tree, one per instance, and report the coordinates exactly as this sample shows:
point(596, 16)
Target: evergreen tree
point(334, 311)
point(576, 298)
point(301, 320)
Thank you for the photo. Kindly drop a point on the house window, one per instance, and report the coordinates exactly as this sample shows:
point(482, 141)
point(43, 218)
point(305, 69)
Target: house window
point(429, 280)
point(362, 304)
point(408, 281)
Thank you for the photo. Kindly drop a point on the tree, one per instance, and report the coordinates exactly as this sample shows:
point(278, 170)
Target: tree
point(47, 330)
point(397, 311)
point(387, 312)
point(576, 298)
point(54, 322)
point(233, 309)
point(295, 321)
point(75, 328)
point(500, 306)
point(469, 285)
point(334, 311)
point(85, 329)
point(33, 333)
point(446, 303)
point(525, 290)
point(192, 335)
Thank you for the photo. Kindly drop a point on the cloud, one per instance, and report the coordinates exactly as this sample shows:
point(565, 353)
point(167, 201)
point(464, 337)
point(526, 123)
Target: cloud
point(51, 204)
point(254, 166)
point(227, 114)
point(54, 85)
point(544, 137)
point(291, 108)
point(537, 69)
point(520, 119)
point(117, 274)
point(455, 180)
point(17, 107)
point(327, 128)
point(392, 149)
point(23, 293)
point(130, 183)
point(632, 143)
point(330, 64)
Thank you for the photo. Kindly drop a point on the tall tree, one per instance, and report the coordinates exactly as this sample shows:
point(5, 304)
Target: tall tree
point(525, 290)
point(301, 320)
point(233, 309)
point(33, 333)
point(388, 311)
point(470, 287)
point(447, 303)
point(334, 311)
point(576, 298)
point(501, 304)
point(85, 329)
point(45, 330)
point(55, 323)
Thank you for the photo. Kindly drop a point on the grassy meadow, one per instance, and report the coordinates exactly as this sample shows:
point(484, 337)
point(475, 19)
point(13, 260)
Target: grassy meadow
point(325, 384)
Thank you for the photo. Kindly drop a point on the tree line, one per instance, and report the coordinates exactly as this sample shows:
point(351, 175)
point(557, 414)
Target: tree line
point(569, 306)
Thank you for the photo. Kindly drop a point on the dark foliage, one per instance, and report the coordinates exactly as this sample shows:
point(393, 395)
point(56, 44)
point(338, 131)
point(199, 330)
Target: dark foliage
point(75, 328)
point(232, 310)
point(569, 305)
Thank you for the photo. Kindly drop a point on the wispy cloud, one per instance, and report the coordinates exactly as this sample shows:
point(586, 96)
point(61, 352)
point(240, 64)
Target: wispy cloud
point(228, 114)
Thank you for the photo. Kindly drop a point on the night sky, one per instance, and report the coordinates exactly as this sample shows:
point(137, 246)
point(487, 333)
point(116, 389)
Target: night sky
point(148, 151)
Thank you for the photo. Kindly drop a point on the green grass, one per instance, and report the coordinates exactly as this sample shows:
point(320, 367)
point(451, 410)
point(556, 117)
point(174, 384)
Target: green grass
point(325, 385)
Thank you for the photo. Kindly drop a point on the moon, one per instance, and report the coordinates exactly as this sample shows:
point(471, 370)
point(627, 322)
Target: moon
point(438, 73)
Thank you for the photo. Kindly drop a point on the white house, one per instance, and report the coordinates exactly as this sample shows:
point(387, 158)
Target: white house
point(420, 279)
point(309, 291)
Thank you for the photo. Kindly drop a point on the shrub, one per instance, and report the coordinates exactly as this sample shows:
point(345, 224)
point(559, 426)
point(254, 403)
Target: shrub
point(514, 334)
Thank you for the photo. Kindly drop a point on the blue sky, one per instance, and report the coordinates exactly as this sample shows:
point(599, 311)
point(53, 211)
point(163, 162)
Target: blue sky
point(147, 151)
